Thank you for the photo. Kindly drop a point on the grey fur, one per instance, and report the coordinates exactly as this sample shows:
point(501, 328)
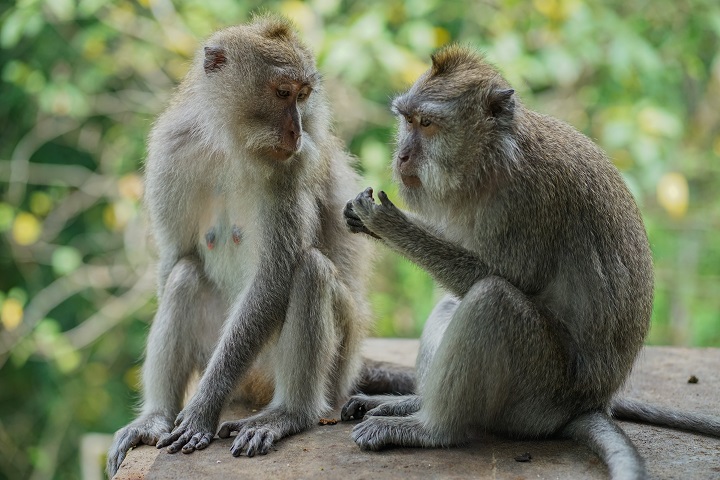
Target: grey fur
point(542, 249)
point(259, 283)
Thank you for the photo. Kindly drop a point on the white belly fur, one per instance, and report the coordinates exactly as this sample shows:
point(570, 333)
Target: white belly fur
point(231, 262)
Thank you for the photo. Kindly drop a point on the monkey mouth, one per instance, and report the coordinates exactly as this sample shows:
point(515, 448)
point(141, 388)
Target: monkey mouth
point(411, 181)
point(279, 153)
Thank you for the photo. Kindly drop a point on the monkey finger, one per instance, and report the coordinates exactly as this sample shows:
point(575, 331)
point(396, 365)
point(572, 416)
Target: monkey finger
point(229, 427)
point(354, 222)
point(366, 196)
point(167, 439)
point(353, 409)
point(351, 214)
point(189, 447)
point(240, 442)
point(260, 443)
point(366, 231)
point(204, 441)
point(384, 200)
point(179, 443)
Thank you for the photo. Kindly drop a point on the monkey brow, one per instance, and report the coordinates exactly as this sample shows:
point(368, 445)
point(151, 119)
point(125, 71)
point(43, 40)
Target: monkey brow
point(404, 106)
point(304, 77)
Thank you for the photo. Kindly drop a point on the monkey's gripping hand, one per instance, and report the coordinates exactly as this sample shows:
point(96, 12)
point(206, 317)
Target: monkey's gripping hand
point(147, 429)
point(194, 430)
point(363, 215)
point(353, 220)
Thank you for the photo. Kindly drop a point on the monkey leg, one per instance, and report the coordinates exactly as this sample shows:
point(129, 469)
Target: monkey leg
point(393, 405)
point(183, 332)
point(306, 348)
point(499, 366)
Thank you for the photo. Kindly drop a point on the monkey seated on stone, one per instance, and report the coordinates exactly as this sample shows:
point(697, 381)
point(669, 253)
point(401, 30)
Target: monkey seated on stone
point(261, 285)
point(545, 257)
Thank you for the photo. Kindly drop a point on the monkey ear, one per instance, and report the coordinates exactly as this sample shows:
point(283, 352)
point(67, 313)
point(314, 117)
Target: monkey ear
point(500, 102)
point(214, 59)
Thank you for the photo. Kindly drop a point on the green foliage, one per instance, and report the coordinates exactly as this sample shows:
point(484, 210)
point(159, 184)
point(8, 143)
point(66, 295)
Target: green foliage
point(82, 80)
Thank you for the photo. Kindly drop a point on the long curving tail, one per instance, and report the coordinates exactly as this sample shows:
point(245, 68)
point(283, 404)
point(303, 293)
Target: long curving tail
point(635, 411)
point(385, 378)
point(598, 431)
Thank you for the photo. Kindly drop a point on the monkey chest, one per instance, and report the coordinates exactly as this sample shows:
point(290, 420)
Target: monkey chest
point(225, 240)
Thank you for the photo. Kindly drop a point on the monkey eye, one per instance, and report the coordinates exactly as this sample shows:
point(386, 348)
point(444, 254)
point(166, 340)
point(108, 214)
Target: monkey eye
point(283, 93)
point(408, 118)
point(425, 122)
point(304, 94)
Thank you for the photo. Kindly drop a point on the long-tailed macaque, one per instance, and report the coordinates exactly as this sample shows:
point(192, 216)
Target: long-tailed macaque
point(543, 253)
point(261, 285)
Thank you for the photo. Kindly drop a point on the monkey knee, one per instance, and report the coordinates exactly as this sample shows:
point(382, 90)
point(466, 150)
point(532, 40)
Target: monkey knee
point(315, 268)
point(491, 292)
point(185, 277)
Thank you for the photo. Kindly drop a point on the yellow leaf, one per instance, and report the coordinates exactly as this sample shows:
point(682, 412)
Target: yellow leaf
point(442, 36)
point(26, 229)
point(109, 217)
point(300, 13)
point(130, 186)
point(40, 203)
point(11, 314)
point(132, 378)
point(673, 194)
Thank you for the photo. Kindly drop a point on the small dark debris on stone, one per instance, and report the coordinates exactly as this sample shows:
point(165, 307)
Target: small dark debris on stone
point(525, 457)
point(328, 421)
point(693, 379)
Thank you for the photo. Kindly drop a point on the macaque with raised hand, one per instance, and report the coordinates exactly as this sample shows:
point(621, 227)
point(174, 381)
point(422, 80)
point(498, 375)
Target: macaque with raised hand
point(261, 286)
point(542, 250)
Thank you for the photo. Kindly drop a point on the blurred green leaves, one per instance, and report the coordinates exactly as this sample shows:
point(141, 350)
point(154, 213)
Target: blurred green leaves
point(82, 80)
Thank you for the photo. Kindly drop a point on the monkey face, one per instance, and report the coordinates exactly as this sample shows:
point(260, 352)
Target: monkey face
point(455, 127)
point(427, 145)
point(272, 118)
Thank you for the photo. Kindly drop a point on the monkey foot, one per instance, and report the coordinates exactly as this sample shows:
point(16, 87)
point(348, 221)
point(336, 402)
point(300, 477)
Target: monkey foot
point(377, 433)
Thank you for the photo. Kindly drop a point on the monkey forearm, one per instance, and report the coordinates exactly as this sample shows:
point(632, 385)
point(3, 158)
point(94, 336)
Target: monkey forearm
point(454, 267)
point(253, 321)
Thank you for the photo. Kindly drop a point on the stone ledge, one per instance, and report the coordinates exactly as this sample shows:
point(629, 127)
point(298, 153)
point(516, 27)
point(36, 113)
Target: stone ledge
point(326, 452)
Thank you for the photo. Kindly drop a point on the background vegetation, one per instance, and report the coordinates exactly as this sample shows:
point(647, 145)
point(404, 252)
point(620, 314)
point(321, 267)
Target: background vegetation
point(82, 81)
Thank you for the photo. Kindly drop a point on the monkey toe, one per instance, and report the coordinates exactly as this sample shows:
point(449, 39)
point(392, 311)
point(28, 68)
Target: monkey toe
point(354, 409)
point(367, 436)
point(260, 443)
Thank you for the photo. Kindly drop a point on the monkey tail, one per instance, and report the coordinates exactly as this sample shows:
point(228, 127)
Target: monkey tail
point(378, 378)
point(635, 411)
point(609, 442)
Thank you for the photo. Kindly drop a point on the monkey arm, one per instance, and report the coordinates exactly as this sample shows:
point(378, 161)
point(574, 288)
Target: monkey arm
point(254, 318)
point(453, 266)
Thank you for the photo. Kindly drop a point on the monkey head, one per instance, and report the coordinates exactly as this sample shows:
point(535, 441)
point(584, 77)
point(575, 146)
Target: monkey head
point(455, 125)
point(264, 86)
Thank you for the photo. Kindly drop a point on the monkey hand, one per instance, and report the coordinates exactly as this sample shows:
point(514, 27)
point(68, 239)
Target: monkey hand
point(194, 430)
point(257, 434)
point(147, 429)
point(352, 219)
point(363, 215)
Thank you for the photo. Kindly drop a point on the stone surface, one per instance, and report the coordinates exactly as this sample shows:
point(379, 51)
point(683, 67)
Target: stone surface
point(326, 452)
